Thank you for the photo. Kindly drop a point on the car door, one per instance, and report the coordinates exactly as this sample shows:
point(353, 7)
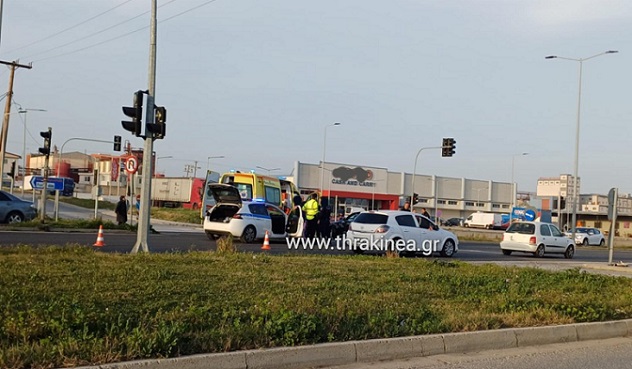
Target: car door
point(409, 227)
point(430, 240)
point(277, 221)
point(5, 206)
point(260, 218)
point(559, 240)
point(546, 237)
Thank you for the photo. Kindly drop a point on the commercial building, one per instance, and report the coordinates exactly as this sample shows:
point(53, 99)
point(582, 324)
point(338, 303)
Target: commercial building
point(350, 185)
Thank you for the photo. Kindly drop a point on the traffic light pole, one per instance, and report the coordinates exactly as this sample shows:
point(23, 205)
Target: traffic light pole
point(148, 149)
point(412, 189)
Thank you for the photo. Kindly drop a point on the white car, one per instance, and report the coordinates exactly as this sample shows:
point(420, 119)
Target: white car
point(385, 228)
point(247, 220)
point(537, 238)
point(588, 236)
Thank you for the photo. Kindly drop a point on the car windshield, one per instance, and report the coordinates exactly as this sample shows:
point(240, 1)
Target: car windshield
point(371, 218)
point(581, 230)
point(523, 228)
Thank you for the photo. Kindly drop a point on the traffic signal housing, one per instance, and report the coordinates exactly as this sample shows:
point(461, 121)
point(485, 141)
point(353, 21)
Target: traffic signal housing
point(117, 143)
point(136, 113)
point(159, 128)
point(48, 135)
point(448, 148)
point(415, 198)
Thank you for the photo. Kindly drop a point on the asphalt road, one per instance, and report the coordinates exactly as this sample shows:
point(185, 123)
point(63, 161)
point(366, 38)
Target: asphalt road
point(615, 353)
point(172, 238)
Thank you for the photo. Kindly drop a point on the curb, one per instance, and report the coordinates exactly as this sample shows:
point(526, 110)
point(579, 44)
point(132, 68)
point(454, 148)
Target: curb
point(351, 352)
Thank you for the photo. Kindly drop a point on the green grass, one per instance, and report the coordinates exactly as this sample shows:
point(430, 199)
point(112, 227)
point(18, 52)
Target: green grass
point(87, 203)
point(64, 306)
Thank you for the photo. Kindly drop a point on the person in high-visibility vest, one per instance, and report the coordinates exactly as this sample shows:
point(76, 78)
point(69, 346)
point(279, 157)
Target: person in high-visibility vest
point(310, 208)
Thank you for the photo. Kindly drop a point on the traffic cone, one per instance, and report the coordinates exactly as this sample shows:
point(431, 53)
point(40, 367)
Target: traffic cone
point(100, 241)
point(266, 242)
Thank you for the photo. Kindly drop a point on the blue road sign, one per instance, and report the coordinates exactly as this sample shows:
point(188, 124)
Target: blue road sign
point(53, 183)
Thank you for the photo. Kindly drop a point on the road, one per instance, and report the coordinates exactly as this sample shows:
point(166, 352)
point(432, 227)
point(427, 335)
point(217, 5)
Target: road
point(615, 353)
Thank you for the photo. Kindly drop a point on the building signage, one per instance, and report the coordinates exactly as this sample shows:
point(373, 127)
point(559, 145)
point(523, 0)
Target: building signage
point(352, 176)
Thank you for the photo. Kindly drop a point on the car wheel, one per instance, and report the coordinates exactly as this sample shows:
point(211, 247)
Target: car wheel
point(448, 249)
point(602, 242)
point(506, 252)
point(585, 242)
point(14, 217)
point(249, 235)
point(539, 252)
point(570, 252)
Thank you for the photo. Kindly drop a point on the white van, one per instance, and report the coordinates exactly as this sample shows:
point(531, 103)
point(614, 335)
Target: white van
point(484, 220)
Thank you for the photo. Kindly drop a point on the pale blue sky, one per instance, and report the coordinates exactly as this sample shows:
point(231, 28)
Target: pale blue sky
point(258, 81)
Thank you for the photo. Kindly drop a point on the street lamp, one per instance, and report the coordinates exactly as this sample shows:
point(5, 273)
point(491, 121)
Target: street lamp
point(579, 101)
point(24, 111)
point(268, 169)
point(513, 186)
point(161, 157)
point(322, 165)
point(208, 162)
point(478, 195)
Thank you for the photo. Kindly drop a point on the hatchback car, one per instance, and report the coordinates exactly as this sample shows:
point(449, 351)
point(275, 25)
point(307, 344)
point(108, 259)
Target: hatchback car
point(454, 222)
point(247, 220)
point(537, 238)
point(14, 209)
point(385, 228)
point(588, 236)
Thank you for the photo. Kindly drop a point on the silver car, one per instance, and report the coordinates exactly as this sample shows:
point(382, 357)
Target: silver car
point(587, 236)
point(14, 209)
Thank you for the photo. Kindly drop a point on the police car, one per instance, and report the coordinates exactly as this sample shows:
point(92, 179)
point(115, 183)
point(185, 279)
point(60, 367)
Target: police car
point(247, 220)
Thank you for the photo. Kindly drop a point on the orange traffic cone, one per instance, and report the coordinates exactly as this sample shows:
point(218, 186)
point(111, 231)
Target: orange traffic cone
point(266, 242)
point(100, 241)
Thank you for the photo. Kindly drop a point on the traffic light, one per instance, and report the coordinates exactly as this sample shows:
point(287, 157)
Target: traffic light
point(159, 128)
point(117, 143)
point(136, 113)
point(48, 135)
point(448, 148)
point(415, 198)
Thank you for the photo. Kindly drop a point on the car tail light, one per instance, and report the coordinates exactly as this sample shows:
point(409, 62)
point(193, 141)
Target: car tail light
point(237, 216)
point(532, 240)
point(382, 229)
point(350, 227)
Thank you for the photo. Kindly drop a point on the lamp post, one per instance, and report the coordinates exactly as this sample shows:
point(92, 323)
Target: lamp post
point(478, 195)
point(579, 102)
point(322, 165)
point(208, 162)
point(513, 185)
point(268, 169)
point(24, 111)
point(161, 157)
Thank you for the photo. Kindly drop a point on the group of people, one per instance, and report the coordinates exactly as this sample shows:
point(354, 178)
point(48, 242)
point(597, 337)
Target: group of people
point(315, 216)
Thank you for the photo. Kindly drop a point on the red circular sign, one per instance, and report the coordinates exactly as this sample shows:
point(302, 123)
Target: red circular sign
point(131, 165)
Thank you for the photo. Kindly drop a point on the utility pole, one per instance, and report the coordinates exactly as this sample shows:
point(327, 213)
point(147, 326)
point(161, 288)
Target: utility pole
point(148, 149)
point(7, 111)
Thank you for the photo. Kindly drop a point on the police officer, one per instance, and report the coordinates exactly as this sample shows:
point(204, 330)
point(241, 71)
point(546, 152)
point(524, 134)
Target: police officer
point(310, 208)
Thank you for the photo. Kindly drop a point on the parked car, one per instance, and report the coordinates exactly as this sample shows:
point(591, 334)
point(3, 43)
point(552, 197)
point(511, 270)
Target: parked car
point(340, 227)
point(454, 222)
point(537, 238)
point(385, 227)
point(247, 220)
point(14, 209)
point(485, 220)
point(587, 236)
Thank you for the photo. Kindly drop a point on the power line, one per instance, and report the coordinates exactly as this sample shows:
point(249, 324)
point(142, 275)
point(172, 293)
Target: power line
point(128, 33)
point(69, 28)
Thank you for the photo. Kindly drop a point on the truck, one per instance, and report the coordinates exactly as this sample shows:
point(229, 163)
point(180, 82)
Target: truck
point(487, 220)
point(176, 192)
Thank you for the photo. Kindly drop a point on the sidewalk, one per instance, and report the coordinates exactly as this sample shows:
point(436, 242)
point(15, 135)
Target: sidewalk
point(593, 267)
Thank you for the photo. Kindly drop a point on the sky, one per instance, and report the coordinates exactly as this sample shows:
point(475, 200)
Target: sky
point(262, 82)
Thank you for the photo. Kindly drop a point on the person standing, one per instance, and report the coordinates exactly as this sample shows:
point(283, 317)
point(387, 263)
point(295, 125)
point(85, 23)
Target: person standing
point(310, 208)
point(324, 218)
point(425, 213)
point(406, 206)
point(121, 211)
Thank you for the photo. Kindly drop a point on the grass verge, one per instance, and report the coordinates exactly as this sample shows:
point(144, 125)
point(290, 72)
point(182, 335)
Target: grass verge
point(65, 306)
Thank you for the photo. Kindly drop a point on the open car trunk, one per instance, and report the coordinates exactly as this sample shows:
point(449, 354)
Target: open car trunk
point(222, 213)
